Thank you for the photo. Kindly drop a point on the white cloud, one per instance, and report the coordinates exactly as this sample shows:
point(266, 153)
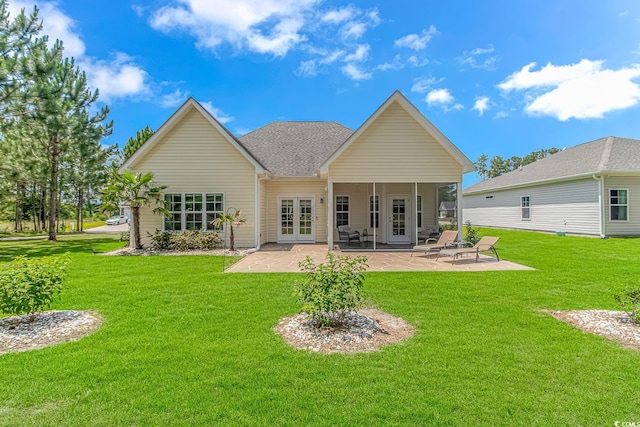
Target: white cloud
point(138, 10)
point(117, 78)
point(501, 115)
point(582, 91)
point(481, 105)
point(220, 115)
point(272, 27)
point(361, 54)
point(396, 64)
point(414, 61)
point(307, 68)
point(442, 98)
point(477, 58)
point(171, 100)
point(416, 41)
point(338, 16)
point(355, 73)
point(625, 13)
point(423, 84)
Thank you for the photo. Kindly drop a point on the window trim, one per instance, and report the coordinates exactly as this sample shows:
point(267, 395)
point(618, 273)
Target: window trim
point(348, 211)
point(419, 218)
point(523, 207)
point(375, 218)
point(618, 204)
point(183, 212)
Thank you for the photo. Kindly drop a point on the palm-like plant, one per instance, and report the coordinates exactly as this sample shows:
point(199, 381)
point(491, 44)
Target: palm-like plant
point(232, 217)
point(137, 190)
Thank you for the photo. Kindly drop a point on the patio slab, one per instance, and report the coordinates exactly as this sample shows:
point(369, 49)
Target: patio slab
point(285, 258)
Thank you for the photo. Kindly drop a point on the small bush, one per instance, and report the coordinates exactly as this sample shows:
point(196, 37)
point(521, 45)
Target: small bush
point(161, 240)
point(125, 236)
point(629, 300)
point(331, 290)
point(30, 285)
point(453, 225)
point(471, 234)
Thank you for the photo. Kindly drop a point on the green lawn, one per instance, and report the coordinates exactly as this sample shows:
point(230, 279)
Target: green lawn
point(184, 344)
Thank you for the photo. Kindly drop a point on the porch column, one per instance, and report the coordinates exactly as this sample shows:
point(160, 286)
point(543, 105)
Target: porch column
point(330, 215)
point(415, 204)
point(374, 215)
point(459, 203)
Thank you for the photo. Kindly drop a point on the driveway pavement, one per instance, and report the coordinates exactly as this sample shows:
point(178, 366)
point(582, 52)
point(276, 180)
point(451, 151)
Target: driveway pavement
point(120, 228)
point(285, 258)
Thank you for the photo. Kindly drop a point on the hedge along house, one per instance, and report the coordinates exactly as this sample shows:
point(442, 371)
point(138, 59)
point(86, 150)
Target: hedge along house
point(296, 182)
point(590, 189)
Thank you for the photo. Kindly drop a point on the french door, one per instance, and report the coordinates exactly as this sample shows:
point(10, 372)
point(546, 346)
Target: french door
point(296, 220)
point(399, 219)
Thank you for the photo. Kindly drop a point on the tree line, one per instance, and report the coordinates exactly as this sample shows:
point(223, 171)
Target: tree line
point(497, 165)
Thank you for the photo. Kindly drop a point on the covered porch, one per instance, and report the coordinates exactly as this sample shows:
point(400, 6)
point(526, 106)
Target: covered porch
point(385, 216)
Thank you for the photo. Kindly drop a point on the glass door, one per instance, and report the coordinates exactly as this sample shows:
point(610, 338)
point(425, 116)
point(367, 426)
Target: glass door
point(296, 220)
point(397, 230)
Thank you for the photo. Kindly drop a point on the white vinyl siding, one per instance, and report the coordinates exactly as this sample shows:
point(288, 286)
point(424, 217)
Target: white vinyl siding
point(395, 148)
point(570, 206)
point(630, 227)
point(193, 157)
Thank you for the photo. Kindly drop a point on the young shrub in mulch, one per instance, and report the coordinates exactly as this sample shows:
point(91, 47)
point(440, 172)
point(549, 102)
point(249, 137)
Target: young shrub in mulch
point(471, 234)
point(31, 285)
point(629, 300)
point(332, 289)
point(185, 240)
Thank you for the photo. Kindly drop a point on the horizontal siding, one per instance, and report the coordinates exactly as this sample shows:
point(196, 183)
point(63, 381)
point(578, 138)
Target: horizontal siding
point(623, 228)
point(395, 148)
point(276, 188)
point(569, 206)
point(195, 157)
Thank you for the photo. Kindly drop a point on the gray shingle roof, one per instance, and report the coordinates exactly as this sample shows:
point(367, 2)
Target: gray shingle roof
point(610, 154)
point(295, 148)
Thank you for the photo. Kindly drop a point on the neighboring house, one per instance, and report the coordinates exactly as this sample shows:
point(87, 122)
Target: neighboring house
point(448, 210)
point(297, 181)
point(125, 210)
point(591, 189)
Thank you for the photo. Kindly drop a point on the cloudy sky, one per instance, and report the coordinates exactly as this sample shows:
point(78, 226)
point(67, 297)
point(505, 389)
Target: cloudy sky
point(501, 77)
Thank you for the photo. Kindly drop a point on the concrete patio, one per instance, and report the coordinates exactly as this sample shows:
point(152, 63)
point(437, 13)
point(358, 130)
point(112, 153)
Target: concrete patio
point(277, 258)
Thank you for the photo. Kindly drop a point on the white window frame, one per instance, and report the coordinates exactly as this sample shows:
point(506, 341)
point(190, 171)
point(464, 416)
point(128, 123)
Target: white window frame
point(419, 218)
point(374, 214)
point(527, 207)
point(347, 212)
point(611, 205)
point(203, 210)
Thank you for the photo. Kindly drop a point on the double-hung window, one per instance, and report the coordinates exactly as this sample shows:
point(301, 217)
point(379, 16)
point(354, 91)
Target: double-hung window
point(342, 210)
point(419, 210)
point(526, 208)
point(618, 204)
point(192, 211)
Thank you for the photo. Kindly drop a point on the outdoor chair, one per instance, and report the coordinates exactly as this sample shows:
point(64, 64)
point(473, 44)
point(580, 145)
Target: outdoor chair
point(485, 244)
point(428, 232)
point(345, 234)
point(446, 240)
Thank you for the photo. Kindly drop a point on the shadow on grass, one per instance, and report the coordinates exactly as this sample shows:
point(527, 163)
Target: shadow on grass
point(74, 244)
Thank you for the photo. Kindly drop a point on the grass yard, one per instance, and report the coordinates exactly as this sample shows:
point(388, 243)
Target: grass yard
point(184, 344)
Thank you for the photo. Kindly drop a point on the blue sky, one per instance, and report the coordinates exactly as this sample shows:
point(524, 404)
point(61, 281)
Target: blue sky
point(497, 77)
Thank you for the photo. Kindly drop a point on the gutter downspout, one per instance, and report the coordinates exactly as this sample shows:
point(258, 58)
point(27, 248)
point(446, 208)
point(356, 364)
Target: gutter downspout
point(600, 180)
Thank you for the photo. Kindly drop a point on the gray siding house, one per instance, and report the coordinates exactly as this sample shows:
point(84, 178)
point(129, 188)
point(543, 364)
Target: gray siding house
point(591, 189)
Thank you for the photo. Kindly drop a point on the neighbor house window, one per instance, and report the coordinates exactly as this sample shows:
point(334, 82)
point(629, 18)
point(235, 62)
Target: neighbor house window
point(374, 212)
point(618, 204)
point(342, 210)
point(419, 210)
point(192, 211)
point(526, 207)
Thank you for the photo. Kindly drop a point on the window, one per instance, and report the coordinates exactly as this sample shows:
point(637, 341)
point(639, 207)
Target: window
point(342, 210)
point(526, 208)
point(618, 205)
point(374, 212)
point(419, 210)
point(192, 211)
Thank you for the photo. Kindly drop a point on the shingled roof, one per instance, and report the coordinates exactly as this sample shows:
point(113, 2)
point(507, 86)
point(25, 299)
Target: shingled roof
point(603, 155)
point(295, 148)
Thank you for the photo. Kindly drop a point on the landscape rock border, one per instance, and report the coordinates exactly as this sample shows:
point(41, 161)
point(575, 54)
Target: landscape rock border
point(614, 325)
point(45, 329)
point(364, 331)
point(128, 251)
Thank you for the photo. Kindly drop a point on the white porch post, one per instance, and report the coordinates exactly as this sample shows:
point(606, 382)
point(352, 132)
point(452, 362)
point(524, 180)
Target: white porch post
point(459, 203)
point(330, 215)
point(415, 203)
point(374, 215)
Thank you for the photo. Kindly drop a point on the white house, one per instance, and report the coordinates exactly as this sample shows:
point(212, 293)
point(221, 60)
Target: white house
point(298, 181)
point(591, 189)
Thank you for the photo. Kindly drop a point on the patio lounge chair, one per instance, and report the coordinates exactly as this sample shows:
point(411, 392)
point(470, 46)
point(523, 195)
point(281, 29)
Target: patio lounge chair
point(345, 234)
point(485, 244)
point(447, 239)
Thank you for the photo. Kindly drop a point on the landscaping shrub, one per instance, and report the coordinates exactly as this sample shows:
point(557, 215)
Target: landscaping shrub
point(629, 300)
point(471, 234)
point(161, 240)
point(30, 285)
point(184, 240)
point(332, 289)
point(125, 236)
